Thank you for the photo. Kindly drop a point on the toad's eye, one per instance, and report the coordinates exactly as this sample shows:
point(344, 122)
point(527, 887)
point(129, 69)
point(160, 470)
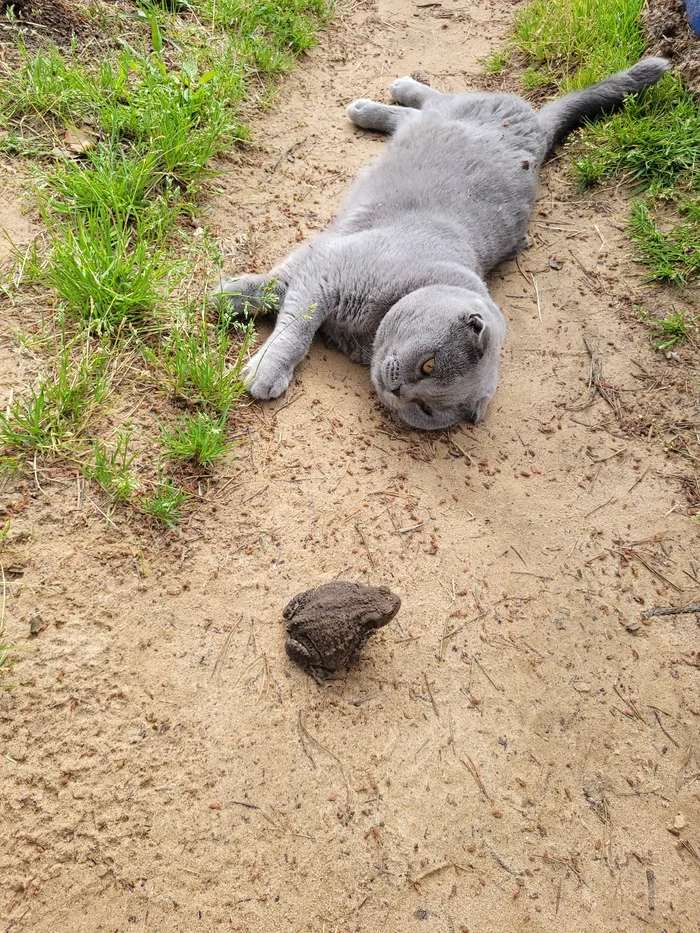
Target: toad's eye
point(428, 366)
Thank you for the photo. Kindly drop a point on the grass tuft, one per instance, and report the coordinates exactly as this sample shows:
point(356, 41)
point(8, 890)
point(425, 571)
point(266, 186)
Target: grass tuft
point(165, 504)
point(200, 438)
point(111, 468)
point(676, 327)
point(194, 366)
point(60, 407)
point(107, 275)
point(653, 144)
point(672, 256)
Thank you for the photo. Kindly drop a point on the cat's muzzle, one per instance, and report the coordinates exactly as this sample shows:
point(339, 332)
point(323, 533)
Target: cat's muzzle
point(391, 374)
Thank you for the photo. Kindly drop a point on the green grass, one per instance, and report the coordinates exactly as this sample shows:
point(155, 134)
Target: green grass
point(573, 43)
point(194, 365)
point(653, 144)
point(676, 327)
point(200, 438)
point(61, 406)
point(166, 503)
point(111, 467)
point(497, 61)
point(108, 276)
point(122, 142)
point(672, 256)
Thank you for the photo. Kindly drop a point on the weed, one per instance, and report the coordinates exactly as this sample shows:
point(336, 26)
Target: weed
point(198, 437)
point(673, 256)
point(60, 406)
point(271, 33)
point(234, 308)
point(46, 84)
point(116, 180)
point(672, 329)
point(107, 275)
point(165, 503)
point(497, 61)
point(110, 468)
point(194, 366)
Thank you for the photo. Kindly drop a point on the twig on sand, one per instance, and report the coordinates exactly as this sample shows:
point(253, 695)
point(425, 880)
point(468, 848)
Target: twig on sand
point(304, 732)
point(474, 771)
point(651, 880)
point(671, 611)
point(497, 858)
point(431, 871)
point(430, 694)
point(667, 734)
point(628, 551)
point(287, 153)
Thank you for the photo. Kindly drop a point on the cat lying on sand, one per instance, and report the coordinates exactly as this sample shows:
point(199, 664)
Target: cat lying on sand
point(397, 280)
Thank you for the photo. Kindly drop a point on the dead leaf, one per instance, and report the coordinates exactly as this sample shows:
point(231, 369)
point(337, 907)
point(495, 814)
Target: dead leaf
point(78, 139)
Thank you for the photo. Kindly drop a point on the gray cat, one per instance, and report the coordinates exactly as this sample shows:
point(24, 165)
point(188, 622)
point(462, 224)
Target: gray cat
point(397, 280)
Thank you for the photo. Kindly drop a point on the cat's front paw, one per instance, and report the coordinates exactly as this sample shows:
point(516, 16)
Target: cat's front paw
point(245, 295)
point(266, 377)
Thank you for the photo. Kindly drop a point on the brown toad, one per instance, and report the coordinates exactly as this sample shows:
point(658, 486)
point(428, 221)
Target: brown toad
point(328, 625)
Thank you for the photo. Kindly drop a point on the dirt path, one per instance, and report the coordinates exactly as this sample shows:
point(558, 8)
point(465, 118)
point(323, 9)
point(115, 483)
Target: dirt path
point(511, 756)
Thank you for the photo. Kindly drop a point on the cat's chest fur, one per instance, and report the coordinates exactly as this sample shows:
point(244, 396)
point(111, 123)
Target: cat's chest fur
point(356, 307)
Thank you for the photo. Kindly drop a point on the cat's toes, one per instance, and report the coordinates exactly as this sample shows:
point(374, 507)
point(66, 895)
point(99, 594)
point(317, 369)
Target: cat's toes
point(266, 378)
point(241, 293)
point(358, 109)
point(404, 90)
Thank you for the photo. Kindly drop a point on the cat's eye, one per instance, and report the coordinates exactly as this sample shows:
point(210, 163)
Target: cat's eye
point(428, 366)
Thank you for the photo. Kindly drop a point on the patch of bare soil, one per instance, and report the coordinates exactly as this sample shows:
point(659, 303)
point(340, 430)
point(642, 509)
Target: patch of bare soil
point(666, 23)
point(519, 749)
point(57, 21)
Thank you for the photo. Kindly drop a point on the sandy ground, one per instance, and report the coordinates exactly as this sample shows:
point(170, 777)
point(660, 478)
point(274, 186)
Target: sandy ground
point(516, 752)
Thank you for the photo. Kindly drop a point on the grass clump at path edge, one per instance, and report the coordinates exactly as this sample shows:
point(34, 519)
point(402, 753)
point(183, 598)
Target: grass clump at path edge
point(124, 140)
point(653, 143)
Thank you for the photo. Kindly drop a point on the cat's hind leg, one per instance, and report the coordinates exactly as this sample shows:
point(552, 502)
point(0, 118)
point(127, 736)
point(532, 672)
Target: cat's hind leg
point(411, 93)
point(384, 118)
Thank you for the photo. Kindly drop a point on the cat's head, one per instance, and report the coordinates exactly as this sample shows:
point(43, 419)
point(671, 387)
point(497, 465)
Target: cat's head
point(435, 356)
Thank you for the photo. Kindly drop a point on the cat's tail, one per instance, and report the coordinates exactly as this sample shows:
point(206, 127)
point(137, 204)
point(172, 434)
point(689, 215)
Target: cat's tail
point(559, 117)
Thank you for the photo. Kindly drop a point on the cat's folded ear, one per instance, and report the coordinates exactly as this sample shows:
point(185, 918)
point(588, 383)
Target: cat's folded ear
point(474, 335)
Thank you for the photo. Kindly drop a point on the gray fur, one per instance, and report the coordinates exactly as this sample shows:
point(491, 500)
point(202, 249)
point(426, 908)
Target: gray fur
point(398, 278)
